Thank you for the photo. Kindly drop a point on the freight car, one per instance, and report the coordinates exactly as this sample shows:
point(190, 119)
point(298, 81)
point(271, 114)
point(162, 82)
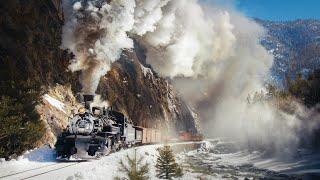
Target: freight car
point(188, 136)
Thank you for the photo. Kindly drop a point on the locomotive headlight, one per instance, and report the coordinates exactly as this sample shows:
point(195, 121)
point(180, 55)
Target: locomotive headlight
point(81, 110)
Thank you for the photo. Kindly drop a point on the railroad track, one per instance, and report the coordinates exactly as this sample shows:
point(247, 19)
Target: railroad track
point(34, 172)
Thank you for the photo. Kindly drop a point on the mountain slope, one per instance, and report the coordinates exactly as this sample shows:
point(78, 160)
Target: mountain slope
point(30, 61)
point(295, 46)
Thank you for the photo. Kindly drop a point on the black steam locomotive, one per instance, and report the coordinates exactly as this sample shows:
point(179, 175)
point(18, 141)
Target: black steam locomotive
point(94, 132)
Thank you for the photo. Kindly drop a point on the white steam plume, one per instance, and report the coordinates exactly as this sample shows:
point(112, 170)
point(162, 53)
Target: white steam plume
point(96, 32)
point(218, 52)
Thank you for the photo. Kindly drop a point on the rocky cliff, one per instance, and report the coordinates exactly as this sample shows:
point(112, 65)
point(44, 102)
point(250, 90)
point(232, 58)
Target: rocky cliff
point(149, 100)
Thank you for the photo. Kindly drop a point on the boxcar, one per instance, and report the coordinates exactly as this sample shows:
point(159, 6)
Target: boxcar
point(153, 135)
point(188, 136)
point(185, 136)
point(145, 133)
point(158, 137)
point(139, 134)
point(149, 135)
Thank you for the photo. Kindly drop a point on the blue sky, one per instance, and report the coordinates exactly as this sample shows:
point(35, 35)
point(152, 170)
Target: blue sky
point(277, 10)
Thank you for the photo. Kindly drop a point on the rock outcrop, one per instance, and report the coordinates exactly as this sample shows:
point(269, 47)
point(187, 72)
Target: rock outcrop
point(133, 88)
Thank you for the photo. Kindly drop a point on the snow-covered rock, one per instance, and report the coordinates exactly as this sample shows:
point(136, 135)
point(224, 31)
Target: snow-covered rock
point(54, 102)
point(294, 45)
point(147, 72)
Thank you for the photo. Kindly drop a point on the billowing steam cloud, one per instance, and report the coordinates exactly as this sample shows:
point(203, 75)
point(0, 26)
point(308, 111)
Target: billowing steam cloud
point(180, 39)
point(96, 32)
point(213, 55)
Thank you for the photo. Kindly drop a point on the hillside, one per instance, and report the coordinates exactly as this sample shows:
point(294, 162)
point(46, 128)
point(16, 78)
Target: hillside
point(30, 62)
point(295, 46)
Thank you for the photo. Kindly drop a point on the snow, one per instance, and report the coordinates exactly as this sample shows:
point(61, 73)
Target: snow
point(54, 102)
point(195, 117)
point(171, 101)
point(43, 154)
point(41, 162)
point(305, 163)
point(36, 158)
point(147, 72)
point(104, 168)
point(77, 6)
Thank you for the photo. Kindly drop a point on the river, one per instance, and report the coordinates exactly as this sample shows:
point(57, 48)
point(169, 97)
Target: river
point(224, 159)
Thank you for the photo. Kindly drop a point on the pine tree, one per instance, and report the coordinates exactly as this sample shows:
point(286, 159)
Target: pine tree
point(167, 168)
point(135, 169)
point(20, 125)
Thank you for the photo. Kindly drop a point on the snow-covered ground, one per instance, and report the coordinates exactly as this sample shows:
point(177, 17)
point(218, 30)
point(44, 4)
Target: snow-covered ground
point(43, 158)
point(41, 164)
point(206, 160)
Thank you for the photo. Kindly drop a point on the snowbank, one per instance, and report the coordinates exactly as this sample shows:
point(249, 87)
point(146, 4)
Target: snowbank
point(32, 159)
point(104, 168)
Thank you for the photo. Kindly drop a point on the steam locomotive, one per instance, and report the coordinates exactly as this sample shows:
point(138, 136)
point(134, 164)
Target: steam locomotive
point(96, 131)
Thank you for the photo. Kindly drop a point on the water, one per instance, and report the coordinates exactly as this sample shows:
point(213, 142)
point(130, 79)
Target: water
point(222, 159)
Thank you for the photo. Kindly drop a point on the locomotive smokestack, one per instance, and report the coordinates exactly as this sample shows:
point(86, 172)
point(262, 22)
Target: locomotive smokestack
point(88, 99)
